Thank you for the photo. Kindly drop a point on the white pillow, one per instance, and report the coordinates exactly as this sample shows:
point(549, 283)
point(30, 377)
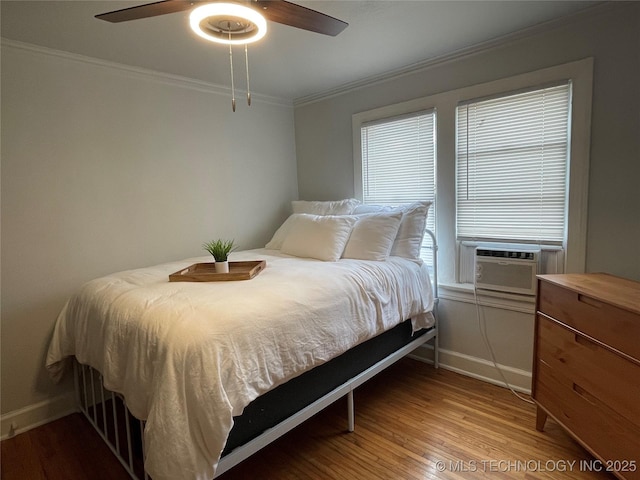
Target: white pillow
point(318, 236)
point(276, 241)
point(369, 208)
point(336, 207)
point(411, 232)
point(372, 236)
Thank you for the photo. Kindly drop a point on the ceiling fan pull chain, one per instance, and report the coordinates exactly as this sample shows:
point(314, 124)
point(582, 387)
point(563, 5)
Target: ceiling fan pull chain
point(233, 88)
point(246, 61)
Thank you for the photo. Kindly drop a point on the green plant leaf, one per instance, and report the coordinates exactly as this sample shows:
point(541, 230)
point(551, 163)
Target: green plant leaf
point(220, 249)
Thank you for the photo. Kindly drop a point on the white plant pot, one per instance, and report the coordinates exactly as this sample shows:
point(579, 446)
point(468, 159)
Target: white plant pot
point(222, 267)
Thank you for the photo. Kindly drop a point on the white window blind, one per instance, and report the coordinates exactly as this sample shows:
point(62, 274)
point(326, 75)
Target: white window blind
point(511, 166)
point(398, 162)
point(398, 159)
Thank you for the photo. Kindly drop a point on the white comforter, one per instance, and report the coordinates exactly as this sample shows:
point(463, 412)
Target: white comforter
point(188, 356)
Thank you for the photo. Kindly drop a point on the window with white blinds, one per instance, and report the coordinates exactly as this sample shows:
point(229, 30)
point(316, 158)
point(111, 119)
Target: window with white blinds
point(398, 162)
point(512, 156)
point(398, 159)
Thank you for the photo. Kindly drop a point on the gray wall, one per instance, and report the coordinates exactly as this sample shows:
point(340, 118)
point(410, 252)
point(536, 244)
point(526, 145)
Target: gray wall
point(106, 169)
point(611, 35)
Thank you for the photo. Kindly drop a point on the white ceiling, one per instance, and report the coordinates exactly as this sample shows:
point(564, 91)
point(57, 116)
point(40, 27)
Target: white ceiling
point(289, 63)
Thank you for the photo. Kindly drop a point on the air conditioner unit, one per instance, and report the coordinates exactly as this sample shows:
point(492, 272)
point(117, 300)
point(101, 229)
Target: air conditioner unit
point(505, 270)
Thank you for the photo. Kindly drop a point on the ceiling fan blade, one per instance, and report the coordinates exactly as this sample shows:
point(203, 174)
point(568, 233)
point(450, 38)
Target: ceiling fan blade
point(288, 13)
point(148, 10)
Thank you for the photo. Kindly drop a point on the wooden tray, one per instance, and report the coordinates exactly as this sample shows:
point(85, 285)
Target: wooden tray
point(205, 272)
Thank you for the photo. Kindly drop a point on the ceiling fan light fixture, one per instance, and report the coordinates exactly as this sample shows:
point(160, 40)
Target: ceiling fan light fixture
point(228, 23)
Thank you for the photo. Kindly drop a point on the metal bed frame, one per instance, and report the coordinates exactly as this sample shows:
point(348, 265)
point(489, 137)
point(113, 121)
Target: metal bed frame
point(124, 434)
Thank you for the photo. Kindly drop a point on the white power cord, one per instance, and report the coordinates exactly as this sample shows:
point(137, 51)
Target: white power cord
point(483, 331)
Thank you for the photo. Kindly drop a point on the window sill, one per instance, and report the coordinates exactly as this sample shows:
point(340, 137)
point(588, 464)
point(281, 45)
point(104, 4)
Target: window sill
point(464, 292)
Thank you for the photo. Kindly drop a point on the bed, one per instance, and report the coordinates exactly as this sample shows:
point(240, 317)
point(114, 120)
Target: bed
point(214, 371)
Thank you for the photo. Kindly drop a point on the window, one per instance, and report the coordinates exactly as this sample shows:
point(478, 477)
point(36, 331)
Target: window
point(511, 167)
point(544, 157)
point(398, 162)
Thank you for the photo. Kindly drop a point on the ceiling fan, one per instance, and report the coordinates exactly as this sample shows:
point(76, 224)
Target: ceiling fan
point(234, 22)
point(279, 11)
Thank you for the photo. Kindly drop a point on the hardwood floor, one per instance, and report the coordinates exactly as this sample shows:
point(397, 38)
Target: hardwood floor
point(412, 422)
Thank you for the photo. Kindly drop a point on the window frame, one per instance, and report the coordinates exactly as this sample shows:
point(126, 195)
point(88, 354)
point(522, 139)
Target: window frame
point(580, 72)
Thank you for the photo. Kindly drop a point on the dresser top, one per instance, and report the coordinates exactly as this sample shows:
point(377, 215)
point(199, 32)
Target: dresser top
point(620, 292)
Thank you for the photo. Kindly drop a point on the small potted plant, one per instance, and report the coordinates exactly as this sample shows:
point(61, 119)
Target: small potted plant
point(220, 249)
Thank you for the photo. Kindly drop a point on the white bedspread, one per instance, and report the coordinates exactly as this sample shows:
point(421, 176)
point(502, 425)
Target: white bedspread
point(188, 356)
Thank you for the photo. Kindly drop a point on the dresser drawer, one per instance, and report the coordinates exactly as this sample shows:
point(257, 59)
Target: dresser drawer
point(600, 429)
point(611, 378)
point(611, 325)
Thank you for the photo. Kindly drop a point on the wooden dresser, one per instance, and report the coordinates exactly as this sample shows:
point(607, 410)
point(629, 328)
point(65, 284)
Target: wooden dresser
point(586, 370)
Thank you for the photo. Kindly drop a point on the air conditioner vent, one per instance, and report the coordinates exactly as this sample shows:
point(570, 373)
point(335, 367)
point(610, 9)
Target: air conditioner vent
point(483, 252)
point(504, 270)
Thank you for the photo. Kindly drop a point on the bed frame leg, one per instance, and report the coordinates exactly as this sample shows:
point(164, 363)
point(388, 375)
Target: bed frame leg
point(351, 411)
point(436, 348)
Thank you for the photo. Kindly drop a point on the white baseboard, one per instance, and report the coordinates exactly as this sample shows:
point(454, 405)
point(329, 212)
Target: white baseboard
point(519, 380)
point(32, 416)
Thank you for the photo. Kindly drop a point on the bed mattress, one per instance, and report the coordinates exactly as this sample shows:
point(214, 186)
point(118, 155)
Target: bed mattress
point(278, 404)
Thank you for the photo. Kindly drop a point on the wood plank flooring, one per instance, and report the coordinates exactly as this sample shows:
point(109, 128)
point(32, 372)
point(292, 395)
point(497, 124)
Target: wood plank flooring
point(412, 422)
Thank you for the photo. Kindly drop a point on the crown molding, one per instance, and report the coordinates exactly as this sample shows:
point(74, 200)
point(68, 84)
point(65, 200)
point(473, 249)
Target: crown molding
point(466, 52)
point(142, 73)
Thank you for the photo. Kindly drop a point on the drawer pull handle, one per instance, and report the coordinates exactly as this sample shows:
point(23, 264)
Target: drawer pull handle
point(584, 394)
point(589, 301)
point(585, 342)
